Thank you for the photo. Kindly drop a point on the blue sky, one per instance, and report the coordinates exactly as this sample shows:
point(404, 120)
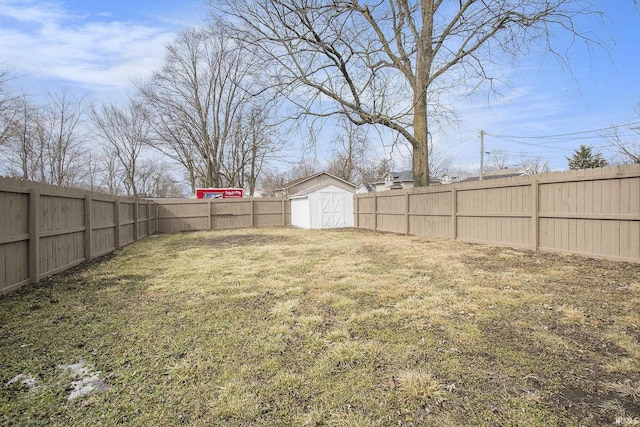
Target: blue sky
point(100, 47)
point(600, 89)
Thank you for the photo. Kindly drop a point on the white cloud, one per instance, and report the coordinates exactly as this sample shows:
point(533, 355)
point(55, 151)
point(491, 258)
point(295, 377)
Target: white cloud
point(42, 39)
point(31, 11)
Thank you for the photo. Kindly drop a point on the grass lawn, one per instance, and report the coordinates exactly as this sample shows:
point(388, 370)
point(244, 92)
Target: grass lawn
point(284, 327)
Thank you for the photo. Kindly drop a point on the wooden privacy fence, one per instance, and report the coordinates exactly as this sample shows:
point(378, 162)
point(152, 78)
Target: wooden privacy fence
point(192, 214)
point(593, 212)
point(46, 229)
point(596, 212)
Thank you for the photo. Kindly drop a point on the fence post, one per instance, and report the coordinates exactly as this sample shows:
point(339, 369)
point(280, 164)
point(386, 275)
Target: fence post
point(116, 217)
point(375, 212)
point(34, 236)
point(210, 221)
point(357, 211)
point(88, 238)
point(149, 233)
point(252, 214)
point(284, 216)
point(454, 213)
point(535, 215)
point(136, 231)
point(406, 214)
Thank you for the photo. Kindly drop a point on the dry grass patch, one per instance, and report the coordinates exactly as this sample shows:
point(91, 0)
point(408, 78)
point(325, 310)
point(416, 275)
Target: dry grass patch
point(420, 385)
point(281, 327)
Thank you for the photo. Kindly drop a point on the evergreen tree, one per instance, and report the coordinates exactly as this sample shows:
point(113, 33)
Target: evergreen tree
point(585, 158)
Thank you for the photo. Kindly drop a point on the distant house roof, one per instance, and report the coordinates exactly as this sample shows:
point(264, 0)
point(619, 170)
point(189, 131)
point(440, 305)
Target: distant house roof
point(497, 174)
point(366, 186)
point(400, 177)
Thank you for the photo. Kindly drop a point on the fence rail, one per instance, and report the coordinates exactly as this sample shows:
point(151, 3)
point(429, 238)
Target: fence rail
point(46, 229)
point(593, 212)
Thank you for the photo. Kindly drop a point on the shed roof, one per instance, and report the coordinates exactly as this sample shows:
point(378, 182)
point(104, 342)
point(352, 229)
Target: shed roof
point(305, 193)
point(308, 177)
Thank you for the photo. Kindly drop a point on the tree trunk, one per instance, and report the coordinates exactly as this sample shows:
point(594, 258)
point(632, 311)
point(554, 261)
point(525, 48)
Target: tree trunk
point(424, 58)
point(420, 155)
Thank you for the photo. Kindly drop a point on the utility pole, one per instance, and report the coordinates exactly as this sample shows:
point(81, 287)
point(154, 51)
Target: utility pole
point(481, 154)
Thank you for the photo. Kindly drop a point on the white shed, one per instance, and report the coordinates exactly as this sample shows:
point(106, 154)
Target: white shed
point(328, 206)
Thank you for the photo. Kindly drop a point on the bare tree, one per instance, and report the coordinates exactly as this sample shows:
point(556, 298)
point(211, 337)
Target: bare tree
point(271, 181)
point(386, 62)
point(350, 152)
point(439, 163)
point(125, 131)
point(60, 135)
point(534, 165)
point(627, 146)
point(496, 160)
point(23, 154)
point(198, 100)
point(253, 143)
point(154, 180)
point(9, 107)
point(375, 169)
point(111, 171)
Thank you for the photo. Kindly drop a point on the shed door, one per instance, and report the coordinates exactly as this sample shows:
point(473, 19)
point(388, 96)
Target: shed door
point(332, 210)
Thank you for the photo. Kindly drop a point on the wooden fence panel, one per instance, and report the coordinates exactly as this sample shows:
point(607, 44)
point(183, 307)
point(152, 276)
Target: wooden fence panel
point(127, 223)
point(364, 211)
point(430, 214)
point(596, 217)
point(183, 215)
point(14, 240)
point(500, 214)
point(231, 213)
point(270, 212)
point(391, 212)
point(62, 231)
point(103, 226)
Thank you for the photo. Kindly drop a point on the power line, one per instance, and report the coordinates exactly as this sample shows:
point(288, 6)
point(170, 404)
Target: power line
point(564, 135)
point(460, 143)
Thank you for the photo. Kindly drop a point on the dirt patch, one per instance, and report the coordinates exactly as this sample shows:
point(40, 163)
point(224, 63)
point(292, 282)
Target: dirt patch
point(608, 406)
point(242, 240)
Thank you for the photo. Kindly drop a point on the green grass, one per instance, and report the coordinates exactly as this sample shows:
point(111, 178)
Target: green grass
point(283, 327)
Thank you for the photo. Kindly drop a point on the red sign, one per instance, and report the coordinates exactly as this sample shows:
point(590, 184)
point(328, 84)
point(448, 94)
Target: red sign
point(219, 193)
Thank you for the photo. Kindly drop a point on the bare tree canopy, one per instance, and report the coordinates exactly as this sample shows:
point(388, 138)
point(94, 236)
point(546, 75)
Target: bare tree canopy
point(630, 150)
point(350, 152)
point(205, 109)
point(61, 136)
point(388, 62)
point(534, 165)
point(627, 142)
point(44, 142)
point(9, 107)
point(125, 132)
